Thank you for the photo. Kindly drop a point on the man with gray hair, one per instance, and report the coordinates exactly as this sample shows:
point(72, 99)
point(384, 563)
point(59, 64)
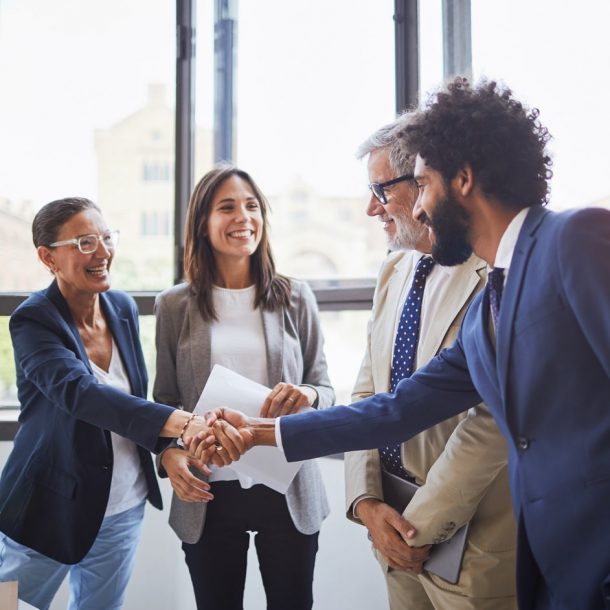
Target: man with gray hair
point(459, 464)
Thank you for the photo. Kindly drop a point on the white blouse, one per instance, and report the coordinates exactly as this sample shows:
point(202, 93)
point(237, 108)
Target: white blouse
point(128, 486)
point(238, 343)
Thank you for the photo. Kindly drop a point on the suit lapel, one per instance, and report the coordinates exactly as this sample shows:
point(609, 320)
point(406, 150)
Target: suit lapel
point(200, 345)
point(125, 342)
point(273, 328)
point(451, 297)
point(55, 296)
point(389, 305)
point(512, 292)
point(483, 340)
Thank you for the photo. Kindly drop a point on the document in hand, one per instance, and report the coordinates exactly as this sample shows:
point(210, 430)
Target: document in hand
point(445, 558)
point(266, 465)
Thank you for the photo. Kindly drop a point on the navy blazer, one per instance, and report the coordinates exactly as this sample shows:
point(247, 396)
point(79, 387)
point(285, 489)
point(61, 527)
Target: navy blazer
point(547, 384)
point(55, 484)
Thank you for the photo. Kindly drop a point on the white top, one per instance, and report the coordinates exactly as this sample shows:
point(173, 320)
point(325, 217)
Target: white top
point(238, 343)
point(128, 486)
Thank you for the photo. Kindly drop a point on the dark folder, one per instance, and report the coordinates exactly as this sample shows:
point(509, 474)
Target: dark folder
point(446, 557)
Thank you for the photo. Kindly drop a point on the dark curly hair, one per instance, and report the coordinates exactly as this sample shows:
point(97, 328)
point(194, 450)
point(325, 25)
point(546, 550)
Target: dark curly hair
point(487, 128)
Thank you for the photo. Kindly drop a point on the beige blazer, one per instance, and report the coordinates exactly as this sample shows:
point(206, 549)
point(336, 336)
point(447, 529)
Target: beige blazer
point(461, 462)
point(294, 354)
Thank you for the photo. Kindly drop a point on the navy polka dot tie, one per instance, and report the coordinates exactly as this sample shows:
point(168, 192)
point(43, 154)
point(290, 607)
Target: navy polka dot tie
point(405, 349)
point(495, 285)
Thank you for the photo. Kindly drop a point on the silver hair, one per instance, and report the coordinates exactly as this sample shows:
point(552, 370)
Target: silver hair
point(388, 136)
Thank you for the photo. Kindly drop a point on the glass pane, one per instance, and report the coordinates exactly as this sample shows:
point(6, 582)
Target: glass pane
point(86, 109)
point(147, 339)
point(8, 390)
point(345, 342)
point(204, 89)
point(314, 79)
point(555, 56)
point(430, 46)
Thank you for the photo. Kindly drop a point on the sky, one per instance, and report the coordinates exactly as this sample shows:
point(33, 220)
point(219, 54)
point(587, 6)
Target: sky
point(314, 79)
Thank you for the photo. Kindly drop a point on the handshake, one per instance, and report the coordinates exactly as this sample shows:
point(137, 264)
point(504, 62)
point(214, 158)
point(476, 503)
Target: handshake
point(223, 435)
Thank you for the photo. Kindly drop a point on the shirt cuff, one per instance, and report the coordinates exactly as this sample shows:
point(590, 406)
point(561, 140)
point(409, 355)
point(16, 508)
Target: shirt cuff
point(278, 435)
point(357, 501)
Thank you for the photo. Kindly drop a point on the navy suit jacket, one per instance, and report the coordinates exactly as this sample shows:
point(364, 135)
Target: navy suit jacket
point(55, 484)
point(548, 386)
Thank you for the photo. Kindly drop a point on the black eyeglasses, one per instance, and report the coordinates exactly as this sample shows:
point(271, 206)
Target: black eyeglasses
point(378, 188)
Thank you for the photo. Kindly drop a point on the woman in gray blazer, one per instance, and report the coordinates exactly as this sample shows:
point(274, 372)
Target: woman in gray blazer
point(235, 310)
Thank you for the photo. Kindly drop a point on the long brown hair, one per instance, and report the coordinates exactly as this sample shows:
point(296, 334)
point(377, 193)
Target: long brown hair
point(272, 289)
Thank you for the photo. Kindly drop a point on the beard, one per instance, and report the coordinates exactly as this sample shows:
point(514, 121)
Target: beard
point(450, 224)
point(409, 233)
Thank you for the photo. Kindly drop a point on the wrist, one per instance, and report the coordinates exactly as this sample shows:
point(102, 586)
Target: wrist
point(263, 431)
point(311, 393)
point(365, 507)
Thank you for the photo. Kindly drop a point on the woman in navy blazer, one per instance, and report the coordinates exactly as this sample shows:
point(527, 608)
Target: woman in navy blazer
point(74, 487)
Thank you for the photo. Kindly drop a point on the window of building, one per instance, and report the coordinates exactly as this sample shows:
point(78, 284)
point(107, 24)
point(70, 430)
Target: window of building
point(555, 56)
point(84, 117)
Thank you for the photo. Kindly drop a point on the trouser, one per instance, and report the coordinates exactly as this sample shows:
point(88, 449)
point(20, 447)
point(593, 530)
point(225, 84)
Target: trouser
point(97, 582)
point(410, 592)
point(217, 562)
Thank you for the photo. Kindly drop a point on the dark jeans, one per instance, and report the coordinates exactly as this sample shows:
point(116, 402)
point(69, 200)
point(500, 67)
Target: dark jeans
point(217, 563)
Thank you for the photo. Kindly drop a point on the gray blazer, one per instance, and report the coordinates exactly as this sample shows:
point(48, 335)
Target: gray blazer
point(294, 354)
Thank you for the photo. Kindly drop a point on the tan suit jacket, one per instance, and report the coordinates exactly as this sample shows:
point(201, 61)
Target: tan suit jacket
point(461, 462)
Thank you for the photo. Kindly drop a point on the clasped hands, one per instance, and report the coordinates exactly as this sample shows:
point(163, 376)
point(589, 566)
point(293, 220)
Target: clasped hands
point(224, 436)
point(231, 433)
point(390, 532)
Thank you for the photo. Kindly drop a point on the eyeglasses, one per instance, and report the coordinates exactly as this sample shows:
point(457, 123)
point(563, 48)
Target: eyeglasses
point(87, 244)
point(378, 188)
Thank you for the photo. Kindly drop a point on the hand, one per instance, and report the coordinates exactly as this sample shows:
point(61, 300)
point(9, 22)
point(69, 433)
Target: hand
point(200, 429)
point(287, 398)
point(232, 437)
point(185, 484)
point(389, 531)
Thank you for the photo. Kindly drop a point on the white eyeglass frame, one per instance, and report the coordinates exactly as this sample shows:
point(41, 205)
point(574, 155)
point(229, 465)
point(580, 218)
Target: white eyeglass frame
point(113, 234)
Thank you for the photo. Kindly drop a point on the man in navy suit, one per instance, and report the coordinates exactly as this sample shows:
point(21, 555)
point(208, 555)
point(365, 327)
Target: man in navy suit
point(535, 345)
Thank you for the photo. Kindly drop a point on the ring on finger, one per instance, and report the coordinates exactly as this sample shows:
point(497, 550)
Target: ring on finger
point(292, 399)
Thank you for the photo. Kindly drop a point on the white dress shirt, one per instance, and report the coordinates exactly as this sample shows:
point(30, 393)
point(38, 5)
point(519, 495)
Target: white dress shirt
point(507, 244)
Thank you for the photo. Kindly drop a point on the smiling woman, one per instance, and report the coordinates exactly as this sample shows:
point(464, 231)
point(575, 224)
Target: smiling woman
point(73, 490)
point(236, 311)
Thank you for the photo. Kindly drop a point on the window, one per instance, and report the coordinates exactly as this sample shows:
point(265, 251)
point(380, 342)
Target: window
point(87, 112)
point(555, 56)
point(302, 113)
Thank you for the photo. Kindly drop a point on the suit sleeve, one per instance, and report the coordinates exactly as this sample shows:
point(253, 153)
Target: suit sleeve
point(165, 387)
point(584, 266)
point(474, 455)
point(52, 368)
point(441, 389)
point(315, 370)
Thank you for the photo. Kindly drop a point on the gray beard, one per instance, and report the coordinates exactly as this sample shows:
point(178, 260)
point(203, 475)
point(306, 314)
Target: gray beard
point(407, 237)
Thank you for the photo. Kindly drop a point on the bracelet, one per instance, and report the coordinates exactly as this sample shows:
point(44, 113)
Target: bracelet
point(186, 425)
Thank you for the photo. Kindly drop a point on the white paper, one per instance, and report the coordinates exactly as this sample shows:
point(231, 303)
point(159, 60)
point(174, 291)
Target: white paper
point(266, 465)
point(25, 606)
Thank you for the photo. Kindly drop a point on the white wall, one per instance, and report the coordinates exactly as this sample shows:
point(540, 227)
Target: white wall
point(346, 574)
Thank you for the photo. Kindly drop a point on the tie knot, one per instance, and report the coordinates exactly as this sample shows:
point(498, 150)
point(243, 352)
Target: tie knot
point(495, 278)
point(424, 266)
